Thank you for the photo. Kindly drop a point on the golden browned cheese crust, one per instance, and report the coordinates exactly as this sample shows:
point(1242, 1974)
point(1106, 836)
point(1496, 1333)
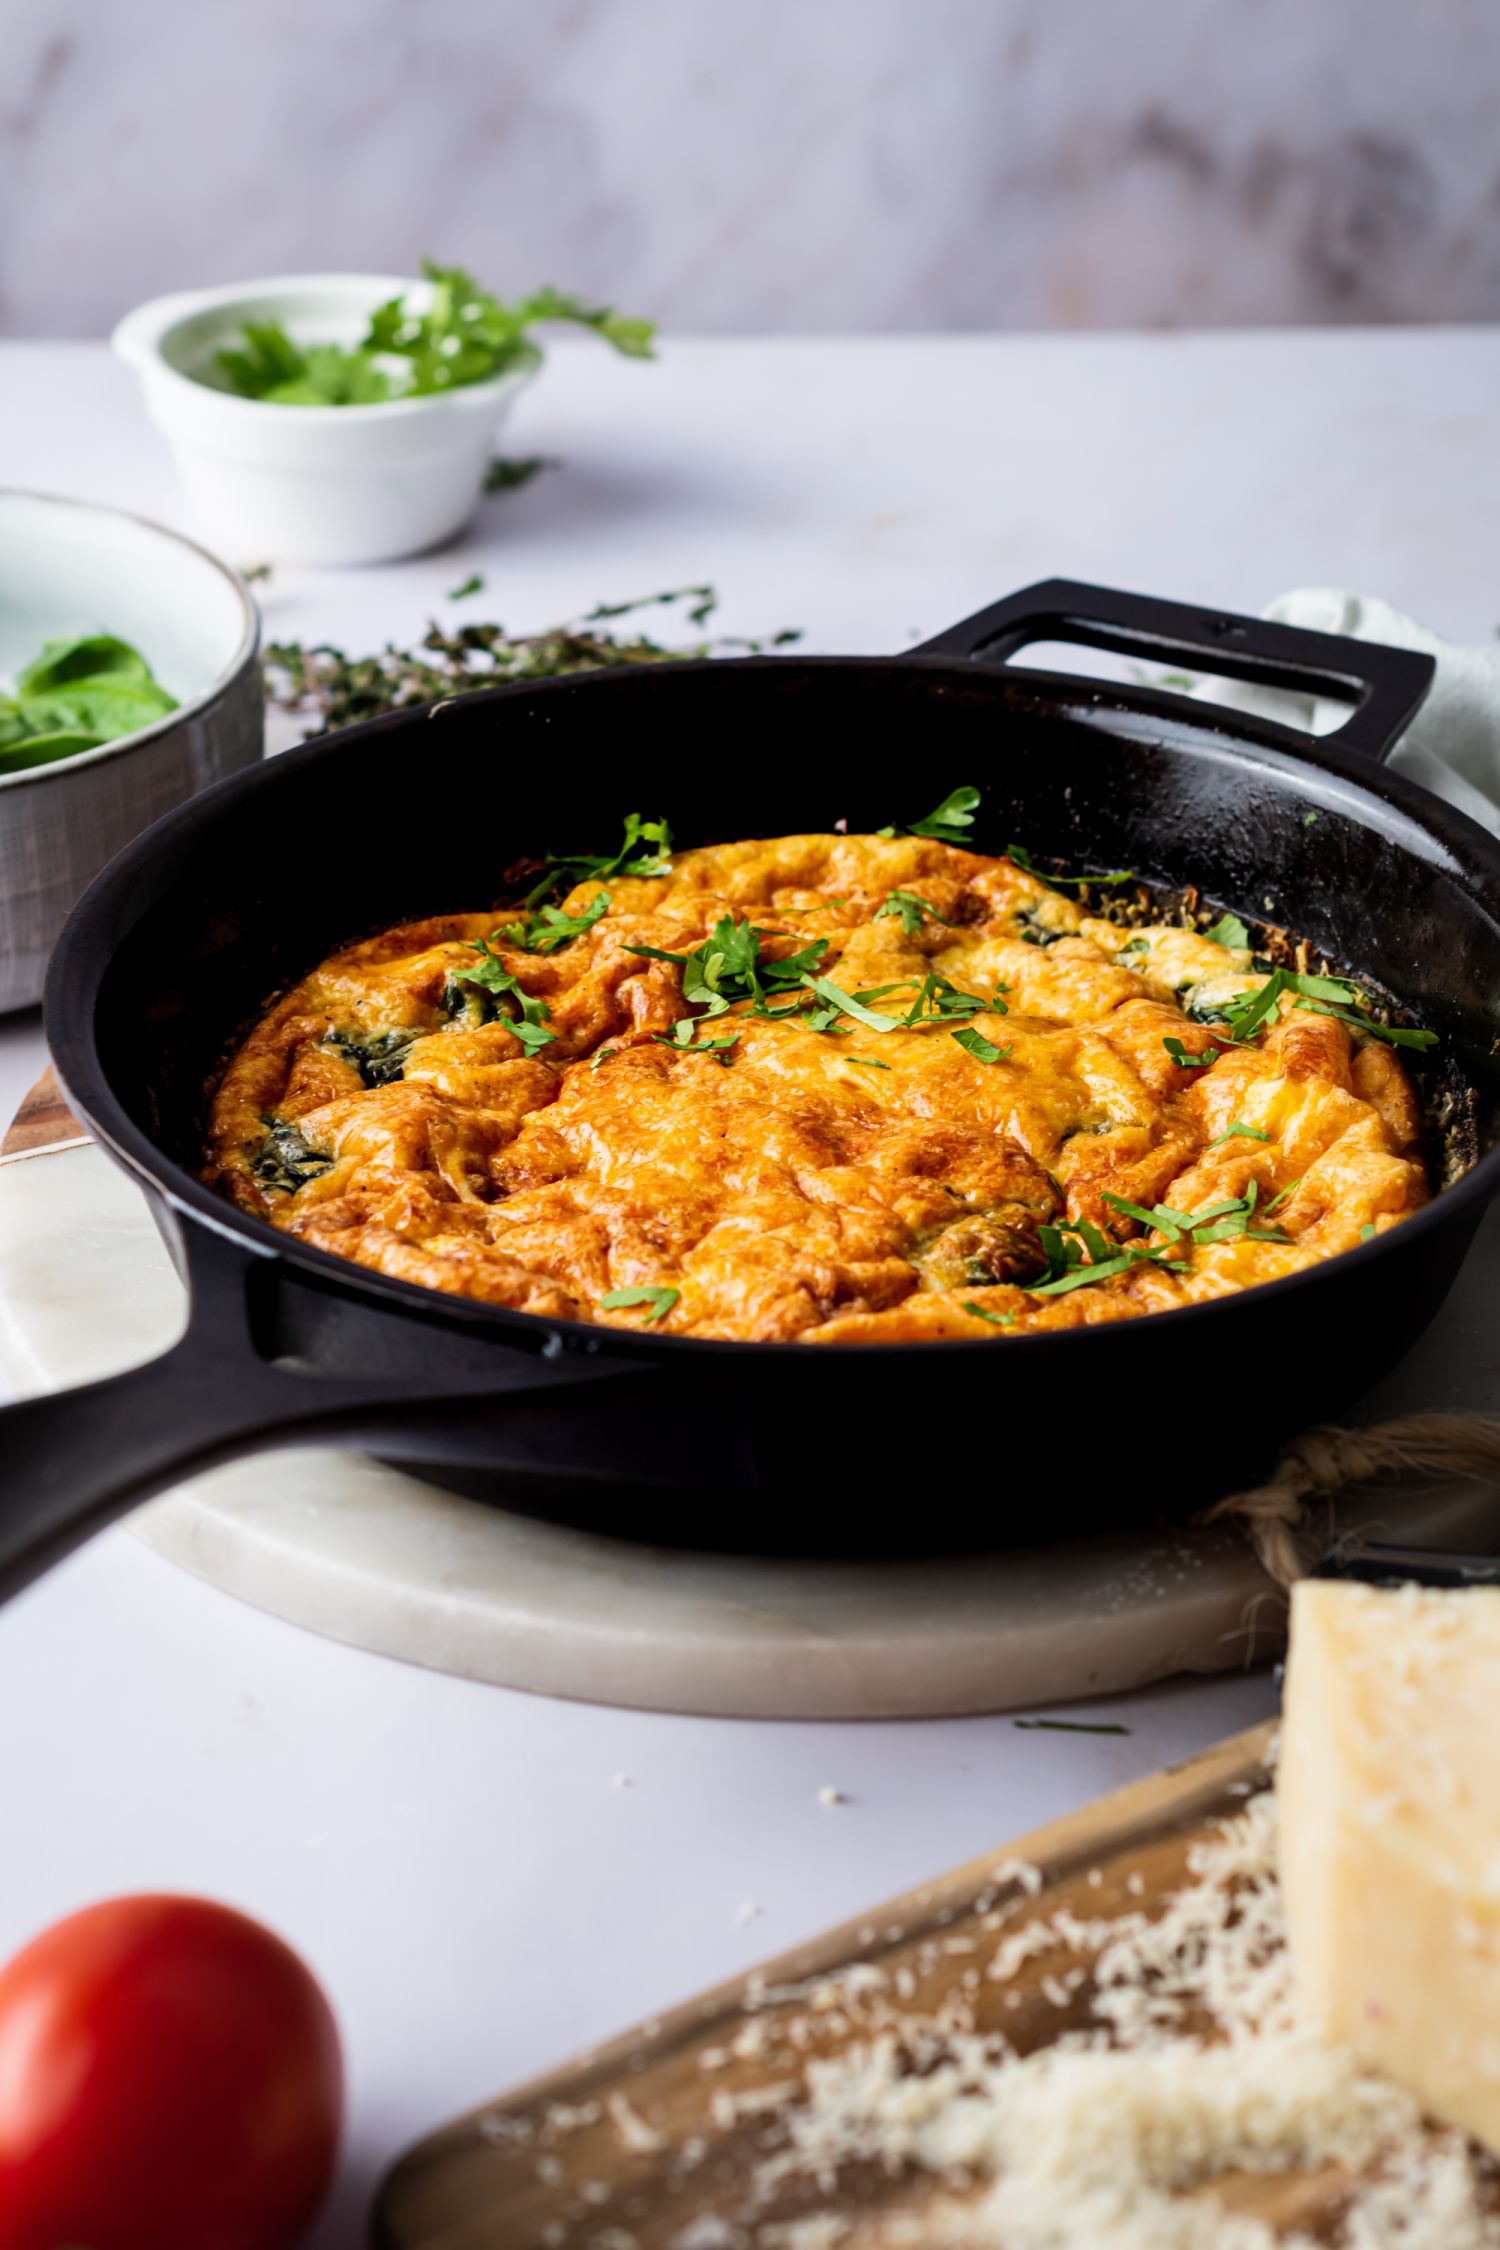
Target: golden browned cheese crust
point(848, 1184)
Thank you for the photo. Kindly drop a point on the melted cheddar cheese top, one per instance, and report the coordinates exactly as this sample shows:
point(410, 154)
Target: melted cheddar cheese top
point(848, 1184)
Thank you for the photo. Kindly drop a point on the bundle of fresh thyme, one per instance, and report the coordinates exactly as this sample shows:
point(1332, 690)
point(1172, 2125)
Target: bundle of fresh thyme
point(322, 685)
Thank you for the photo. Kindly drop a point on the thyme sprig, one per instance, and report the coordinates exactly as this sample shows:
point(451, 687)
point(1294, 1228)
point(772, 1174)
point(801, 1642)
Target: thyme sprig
point(330, 689)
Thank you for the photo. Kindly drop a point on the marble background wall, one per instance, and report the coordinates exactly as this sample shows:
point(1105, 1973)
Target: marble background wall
point(766, 164)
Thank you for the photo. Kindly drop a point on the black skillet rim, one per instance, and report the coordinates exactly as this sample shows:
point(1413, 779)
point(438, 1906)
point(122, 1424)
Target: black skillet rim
point(77, 969)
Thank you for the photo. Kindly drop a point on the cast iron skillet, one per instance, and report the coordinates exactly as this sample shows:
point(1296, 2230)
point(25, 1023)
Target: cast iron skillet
point(180, 942)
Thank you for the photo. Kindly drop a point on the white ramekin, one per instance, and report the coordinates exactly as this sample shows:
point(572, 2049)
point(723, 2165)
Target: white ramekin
point(319, 484)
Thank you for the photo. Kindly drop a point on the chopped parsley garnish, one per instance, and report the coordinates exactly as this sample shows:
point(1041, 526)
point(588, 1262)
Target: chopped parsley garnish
point(1020, 857)
point(602, 1056)
point(493, 976)
point(937, 999)
point(1319, 996)
point(727, 967)
point(866, 1062)
point(996, 1319)
point(1187, 1061)
point(1229, 930)
point(687, 1036)
point(1220, 1222)
point(660, 1301)
point(951, 823)
point(473, 584)
point(910, 909)
point(549, 929)
point(1135, 945)
point(1308, 819)
point(1065, 1244)
point(645, 850)
point(1367, 1232)
point(979, 1046)
point(1243, 1132)
point(838, 1002)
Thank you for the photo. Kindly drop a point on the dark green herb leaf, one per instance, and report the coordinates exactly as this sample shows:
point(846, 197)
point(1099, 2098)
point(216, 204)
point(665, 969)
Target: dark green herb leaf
point(954, 817)
point(550, 929)
point(493, 976)
point(504, 475)
point(1138, 1212)
point(1020, 857)
point(602, 1055)
point(688, 1037)
point(81, 692)
point(866, 1062)
point(979, 1046)
point(938, 1000)
point(848, 1004)
point(1186, 1061)
point(474, 584)
point(997, 1319)
point(660, 1301)
point(1229, 930)
point(630, 859)
point(910, 910)
point(286, 1160)
point(379, 1056)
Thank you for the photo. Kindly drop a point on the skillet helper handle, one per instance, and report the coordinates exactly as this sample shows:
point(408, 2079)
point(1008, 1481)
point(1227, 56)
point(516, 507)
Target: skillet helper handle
point(1386, 685)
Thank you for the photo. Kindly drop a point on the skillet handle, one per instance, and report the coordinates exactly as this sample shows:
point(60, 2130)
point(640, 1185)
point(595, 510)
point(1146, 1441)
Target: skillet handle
point(1386, 685)
point(252, 1374)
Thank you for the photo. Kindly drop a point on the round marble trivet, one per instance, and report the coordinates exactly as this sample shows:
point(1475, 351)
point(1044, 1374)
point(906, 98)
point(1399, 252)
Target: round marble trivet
point(370, 1555)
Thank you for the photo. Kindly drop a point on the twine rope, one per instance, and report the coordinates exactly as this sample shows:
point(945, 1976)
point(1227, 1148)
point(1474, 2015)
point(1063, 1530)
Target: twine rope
point(1448, 1448)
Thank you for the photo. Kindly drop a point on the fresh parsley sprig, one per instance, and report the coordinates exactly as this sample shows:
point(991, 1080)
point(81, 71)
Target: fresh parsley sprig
point(951, 822)
point(910, 909)
point(728, 968)
point(550, 929)
point(687, 1037)
point(463, 335)
point(491, 973)
point(953, 819)
point(645, 851)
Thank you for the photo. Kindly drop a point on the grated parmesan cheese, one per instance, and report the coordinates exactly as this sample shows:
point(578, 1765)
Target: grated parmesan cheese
point(1112, 2136)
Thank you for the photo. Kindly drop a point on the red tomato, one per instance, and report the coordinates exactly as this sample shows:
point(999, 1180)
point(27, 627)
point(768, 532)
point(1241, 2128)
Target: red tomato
point(169, 2080)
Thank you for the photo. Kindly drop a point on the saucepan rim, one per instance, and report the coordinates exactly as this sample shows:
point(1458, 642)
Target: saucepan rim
point(80, 961)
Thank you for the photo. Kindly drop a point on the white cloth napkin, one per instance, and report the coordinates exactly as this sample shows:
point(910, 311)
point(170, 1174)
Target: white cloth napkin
point(1452, 746)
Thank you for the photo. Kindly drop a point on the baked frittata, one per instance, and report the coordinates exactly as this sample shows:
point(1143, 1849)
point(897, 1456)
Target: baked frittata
point(826, 1088)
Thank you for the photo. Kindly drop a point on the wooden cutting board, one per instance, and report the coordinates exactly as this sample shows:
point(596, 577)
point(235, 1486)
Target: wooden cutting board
point(43, 1122)
point(591, 2157)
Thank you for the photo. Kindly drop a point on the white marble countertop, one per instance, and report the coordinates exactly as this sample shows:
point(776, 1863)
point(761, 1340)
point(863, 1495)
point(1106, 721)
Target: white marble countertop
point(458, 1862)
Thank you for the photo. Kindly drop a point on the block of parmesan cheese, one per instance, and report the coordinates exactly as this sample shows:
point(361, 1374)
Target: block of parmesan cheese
point(1389, 1814)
